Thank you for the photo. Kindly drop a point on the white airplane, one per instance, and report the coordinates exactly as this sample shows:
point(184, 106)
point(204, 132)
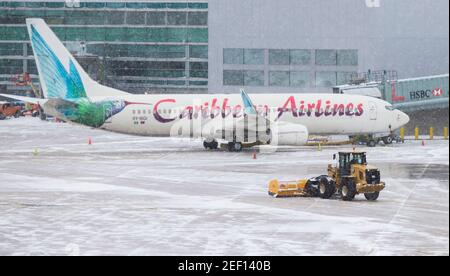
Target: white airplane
point(279, 119)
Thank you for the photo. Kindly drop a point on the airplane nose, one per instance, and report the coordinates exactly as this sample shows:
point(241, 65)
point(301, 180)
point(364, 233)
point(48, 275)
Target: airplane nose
point(403, 118)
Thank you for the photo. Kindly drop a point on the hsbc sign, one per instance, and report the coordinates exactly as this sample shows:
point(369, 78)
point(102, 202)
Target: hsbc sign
point(426, 94)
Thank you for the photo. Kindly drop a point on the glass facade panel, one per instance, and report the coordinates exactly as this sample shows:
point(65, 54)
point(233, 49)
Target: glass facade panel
point(32, 69)
point(198, 35)
point(344, 77)
point(94, 18)
point(136, 18)
point(198, 18)
point(233, 77)
point(92, 21)
point(96, 34)
point(11, 66)
point(115, 5)
point(11, 49)
point(156, 18)
point(279, 78)
point(13, 33)
point(94, 5)
point(300, 57)
point(253, 56)
point(278, 57)
point(198, 69)
point(55, 4)
point(137, 34)
point(115, 17)
point(233, 56)
point(299, 79)
point(76, 34)
point(347, 57)
point(253, 78)
point(176, 18)
point(325, 79)
point(115, 34)
point(177, 5)
point(198, 83)
point(326, 57)
point(198, 51)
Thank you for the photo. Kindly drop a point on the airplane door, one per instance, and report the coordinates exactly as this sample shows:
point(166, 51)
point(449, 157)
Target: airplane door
point(372, 111)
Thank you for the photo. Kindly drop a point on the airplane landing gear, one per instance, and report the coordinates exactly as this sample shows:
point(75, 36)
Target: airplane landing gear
point(235, 147)
point(213, 145)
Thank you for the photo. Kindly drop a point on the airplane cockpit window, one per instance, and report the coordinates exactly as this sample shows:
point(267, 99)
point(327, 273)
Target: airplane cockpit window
point(390, 107)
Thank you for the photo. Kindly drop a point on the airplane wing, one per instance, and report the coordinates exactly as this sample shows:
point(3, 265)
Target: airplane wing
point(249, 128)
point(254, 127)
point(38, 101)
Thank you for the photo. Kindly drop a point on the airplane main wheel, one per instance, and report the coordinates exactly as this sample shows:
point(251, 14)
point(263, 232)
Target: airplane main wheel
point(372, 143)
point(234, 147)
point(388, 140)
point(372, 196)
point(211, 145)
point(348, 190)
point(326, 188)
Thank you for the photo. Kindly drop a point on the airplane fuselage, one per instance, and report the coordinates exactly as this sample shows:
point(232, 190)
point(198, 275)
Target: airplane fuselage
point(156, 115)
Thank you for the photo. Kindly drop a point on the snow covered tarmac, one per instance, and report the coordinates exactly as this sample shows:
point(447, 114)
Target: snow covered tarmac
point(155, 196)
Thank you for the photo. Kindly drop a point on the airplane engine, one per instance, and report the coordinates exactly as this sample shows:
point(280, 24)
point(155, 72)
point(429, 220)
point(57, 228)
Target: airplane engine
point(287, 134)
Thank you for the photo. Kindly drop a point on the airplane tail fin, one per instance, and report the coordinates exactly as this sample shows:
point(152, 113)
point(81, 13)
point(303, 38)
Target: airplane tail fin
point(61, 76)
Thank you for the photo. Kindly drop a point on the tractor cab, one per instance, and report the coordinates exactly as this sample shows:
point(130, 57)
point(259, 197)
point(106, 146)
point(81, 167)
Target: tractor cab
point(347, 159)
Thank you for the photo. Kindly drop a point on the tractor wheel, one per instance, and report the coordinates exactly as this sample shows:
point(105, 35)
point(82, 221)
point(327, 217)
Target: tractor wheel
point(348, 190)
point(372, 196)
point(388, 140)
point(326, 188)
point(17, 114)
point(311, 189)
point(2, 117)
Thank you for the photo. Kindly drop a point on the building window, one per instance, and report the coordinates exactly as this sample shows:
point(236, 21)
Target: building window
point(156, 18)
point(253, 78)
point(136, 18)
point(345, 77)
point(326, 57)
point(233, 77)
point(347, 57)
point(325, 79)
point(299, 79)
point(198, 18)
point(279, 78)
point(254, 56)
point(176, 18)
point(198, 51)
point(233, 56)
point(278, 57)
point(300, 57)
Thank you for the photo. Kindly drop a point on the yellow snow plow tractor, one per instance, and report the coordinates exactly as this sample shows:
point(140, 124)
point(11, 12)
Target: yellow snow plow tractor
point(350, 176)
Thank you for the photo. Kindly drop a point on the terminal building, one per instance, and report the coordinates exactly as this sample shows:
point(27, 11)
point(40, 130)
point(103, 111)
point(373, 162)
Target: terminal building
point(219, 46)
